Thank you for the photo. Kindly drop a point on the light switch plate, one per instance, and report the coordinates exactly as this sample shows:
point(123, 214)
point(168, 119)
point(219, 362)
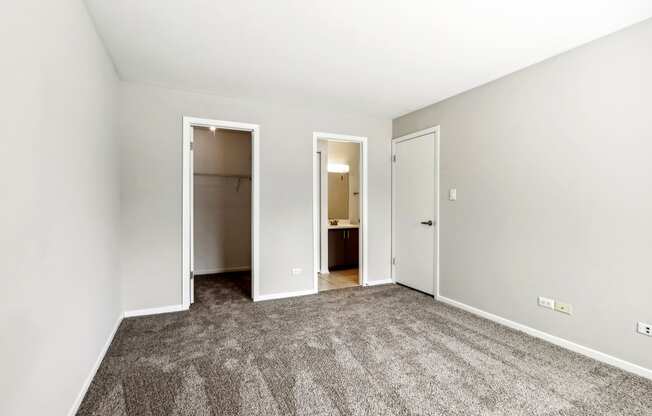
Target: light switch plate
point(296, 271)
point(452, 194)
point(546, 302)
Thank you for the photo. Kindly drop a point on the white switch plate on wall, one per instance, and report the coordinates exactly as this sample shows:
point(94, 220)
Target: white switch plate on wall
point(546, 303)
point(296, 271)
point(452, 194)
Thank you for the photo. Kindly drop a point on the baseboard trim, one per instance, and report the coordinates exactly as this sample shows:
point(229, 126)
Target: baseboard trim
point(379, 282)
point(155, 311)
point(284, 295)
point(96, 366)
point(223, 270)
point(561, 342)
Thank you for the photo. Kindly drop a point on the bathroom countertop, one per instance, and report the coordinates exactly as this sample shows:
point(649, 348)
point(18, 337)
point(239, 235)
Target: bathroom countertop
point(343, 226)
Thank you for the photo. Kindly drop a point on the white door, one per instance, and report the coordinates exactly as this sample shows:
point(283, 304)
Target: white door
point(414, 211)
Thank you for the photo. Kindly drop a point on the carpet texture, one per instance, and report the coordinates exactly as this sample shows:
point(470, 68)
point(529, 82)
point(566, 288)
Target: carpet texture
point(384, 350)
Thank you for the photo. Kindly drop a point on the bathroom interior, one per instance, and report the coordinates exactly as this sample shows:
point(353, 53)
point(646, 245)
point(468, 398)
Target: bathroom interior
point(340, 214)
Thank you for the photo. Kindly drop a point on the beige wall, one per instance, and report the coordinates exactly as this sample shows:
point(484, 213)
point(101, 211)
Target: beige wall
point(227, 152)
point(59, 285)
point(222, 204)
point(151, 117)
point(554, 176)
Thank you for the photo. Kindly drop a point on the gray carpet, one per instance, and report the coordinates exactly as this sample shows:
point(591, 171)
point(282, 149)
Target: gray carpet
point(384, 350)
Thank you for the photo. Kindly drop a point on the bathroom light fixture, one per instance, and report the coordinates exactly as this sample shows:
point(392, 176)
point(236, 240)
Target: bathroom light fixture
point(338, 168)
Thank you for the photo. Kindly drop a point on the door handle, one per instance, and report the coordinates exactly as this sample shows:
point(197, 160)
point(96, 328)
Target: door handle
point(429, 223)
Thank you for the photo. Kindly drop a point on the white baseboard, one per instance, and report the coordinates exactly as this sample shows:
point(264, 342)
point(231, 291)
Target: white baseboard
point(564, 343)
point(284, 295)
point(96, 366)
point(155, 311)
point(223, 270)
point(379, 282)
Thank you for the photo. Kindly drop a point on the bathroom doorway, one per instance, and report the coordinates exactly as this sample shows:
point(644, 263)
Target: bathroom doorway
point(339, 211)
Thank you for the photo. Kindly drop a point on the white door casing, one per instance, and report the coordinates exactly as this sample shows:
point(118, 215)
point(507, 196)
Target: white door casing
point(363, 246)
point(187, 254)
point(191, 212)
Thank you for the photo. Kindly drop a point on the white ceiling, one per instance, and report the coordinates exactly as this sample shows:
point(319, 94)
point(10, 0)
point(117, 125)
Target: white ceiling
point(378, 56)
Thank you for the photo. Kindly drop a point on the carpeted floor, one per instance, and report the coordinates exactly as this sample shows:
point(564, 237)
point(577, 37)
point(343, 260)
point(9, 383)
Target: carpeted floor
point(383, 350)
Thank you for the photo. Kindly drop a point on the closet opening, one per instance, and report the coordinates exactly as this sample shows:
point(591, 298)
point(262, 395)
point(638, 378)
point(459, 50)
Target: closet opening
point(220, 209)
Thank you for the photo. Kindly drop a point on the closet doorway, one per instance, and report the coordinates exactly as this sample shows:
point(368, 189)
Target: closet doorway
point(220, 206)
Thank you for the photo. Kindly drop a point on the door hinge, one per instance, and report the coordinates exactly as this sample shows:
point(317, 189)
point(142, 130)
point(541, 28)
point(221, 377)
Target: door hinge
point(192, 275)
point(394, 158)
point(394, 261)
point(191, 145)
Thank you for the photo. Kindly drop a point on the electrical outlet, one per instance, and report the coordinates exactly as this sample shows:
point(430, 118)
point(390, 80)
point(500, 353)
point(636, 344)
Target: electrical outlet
point(562, 307)
point(546, 303)
point(296, 271)
point(645, 329)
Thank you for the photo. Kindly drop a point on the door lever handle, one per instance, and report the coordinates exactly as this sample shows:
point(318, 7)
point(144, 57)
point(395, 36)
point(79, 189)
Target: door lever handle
point(429, 222)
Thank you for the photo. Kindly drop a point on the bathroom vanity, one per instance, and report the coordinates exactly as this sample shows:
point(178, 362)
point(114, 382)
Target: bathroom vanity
point(343, 247)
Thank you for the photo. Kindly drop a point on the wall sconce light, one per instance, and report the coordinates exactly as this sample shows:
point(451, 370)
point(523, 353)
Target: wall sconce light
point(338, 168)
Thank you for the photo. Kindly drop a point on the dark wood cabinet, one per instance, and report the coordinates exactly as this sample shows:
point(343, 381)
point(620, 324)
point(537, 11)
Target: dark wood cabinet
point(343, 248)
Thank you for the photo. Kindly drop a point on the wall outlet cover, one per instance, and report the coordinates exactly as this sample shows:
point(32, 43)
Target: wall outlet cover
point(645, 329)
point(296, 271)
point(562, 307)
point(546, 302)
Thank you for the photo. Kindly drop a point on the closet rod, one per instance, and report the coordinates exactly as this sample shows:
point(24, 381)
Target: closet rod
point(223, 176)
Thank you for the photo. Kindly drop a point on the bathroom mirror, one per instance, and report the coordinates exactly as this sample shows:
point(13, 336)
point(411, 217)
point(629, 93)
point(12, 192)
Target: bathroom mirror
point(338, 195)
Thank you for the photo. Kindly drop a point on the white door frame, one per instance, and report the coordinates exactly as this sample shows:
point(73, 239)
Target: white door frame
point(436, 131)
point(188, 181)
point(363, 202)
point(320, 164)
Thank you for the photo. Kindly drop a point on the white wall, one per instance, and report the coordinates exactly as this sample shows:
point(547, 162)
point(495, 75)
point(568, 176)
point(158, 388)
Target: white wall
point(151, 118)
point(222, 205)
point(59, 293)
point(554, 176)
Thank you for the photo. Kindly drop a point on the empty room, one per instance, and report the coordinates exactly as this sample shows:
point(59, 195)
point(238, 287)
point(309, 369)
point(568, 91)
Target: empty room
point(326, 208)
